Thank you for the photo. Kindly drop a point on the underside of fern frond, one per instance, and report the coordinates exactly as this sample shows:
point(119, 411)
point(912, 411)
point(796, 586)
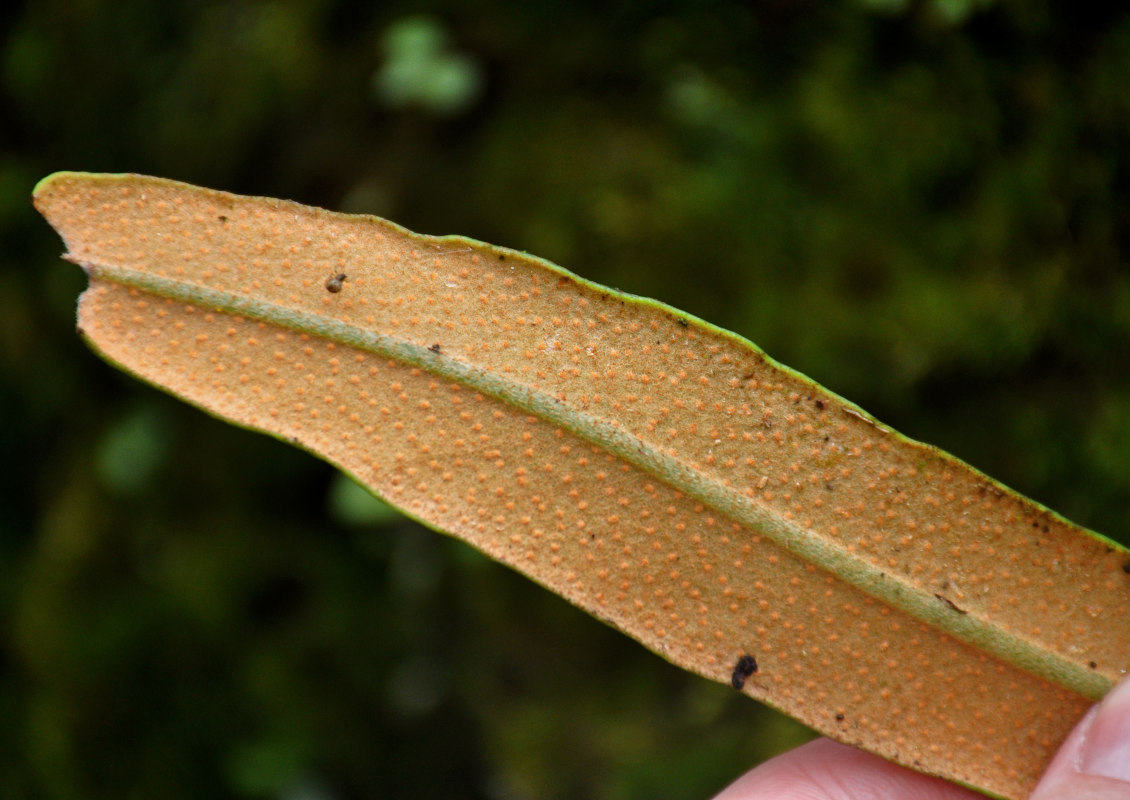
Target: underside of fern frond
point(657, 471)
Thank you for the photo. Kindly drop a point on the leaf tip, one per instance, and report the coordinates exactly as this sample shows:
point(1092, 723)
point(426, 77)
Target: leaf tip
point(55, 180)
point(45, 183)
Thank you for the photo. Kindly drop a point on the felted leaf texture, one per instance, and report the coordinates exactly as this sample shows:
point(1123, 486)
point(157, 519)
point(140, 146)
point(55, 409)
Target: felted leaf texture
point(661, 473)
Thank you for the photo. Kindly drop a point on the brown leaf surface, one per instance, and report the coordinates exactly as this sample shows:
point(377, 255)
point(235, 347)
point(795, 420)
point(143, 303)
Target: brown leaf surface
point(661, 473)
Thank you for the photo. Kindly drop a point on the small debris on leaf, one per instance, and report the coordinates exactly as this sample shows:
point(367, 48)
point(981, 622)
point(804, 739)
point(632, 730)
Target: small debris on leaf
point(746, 666)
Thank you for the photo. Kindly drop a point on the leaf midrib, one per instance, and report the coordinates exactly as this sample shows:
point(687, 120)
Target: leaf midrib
point(801, 542)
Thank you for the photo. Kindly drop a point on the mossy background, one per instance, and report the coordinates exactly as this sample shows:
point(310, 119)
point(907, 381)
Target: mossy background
point(923, 205)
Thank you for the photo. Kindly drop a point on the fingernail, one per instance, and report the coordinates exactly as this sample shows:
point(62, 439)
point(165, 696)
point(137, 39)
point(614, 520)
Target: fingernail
point(1106, 745)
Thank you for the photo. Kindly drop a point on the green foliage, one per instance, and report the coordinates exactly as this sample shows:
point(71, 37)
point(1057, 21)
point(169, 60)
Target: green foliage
point(417, 71)
point(924, 206)
point(351, 504)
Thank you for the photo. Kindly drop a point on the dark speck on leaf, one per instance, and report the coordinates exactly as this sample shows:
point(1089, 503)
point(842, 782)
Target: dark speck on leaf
point(334, 283)
point(434, 348)
point(681, 321)
point(951, 604)
point(222, 218)
point(839, 717)
point(746, 666)
point(1126, 567)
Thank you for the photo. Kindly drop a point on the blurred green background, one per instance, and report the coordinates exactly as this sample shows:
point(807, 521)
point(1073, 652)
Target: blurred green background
point(923, 205)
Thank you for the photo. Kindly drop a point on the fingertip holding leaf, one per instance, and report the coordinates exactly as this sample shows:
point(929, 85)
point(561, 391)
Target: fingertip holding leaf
point(655, 470)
